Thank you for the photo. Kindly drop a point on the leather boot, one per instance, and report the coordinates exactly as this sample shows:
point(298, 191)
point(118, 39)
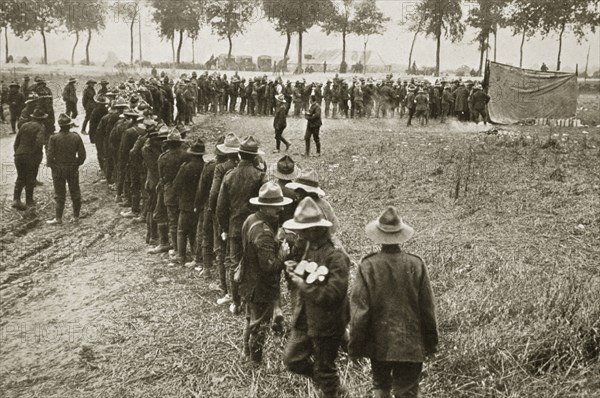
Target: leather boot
point(181, 246)
point(207, 262)
point(163, 246)
point(307, 145)
point(318, 144)
point(76, 208)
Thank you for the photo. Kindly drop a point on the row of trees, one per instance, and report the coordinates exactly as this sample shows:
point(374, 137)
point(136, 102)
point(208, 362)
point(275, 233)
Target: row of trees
point(439, 19)
point(444, 18)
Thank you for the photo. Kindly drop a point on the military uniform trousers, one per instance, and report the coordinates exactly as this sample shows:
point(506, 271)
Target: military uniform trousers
point(135, 187)
point(198, 253)
point(186, 232)
point(258, 321)
point(397, 379)
point(72, 109)
point(151, 228)
point(312, 132)
point(314, 357)
point(172, 204)
point(61, 177)
point(234, 255)
point(27, 171)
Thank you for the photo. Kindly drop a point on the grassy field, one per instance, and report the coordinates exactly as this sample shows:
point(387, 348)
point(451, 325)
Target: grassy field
point(508, 222)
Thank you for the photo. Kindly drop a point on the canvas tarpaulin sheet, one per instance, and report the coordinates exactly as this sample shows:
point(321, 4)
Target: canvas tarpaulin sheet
point(520, 94)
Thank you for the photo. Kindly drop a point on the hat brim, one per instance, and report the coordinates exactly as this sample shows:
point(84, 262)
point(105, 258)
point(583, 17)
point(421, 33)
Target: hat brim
point(291, 224)
point(388, 238)
point(195, 153)
point(71, 123)
point(284, 202)
point(225, 149)
point(44, 116)
point(307, 188)
point(258, 152)
point(289, 177)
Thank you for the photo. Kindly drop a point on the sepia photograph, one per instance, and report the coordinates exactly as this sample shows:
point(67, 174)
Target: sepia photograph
point(300, 198)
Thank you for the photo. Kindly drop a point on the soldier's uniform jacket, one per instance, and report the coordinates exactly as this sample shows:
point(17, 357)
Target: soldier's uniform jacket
point(30, 140)
point(314, 116)
point(422, 102)
point(279, 122)
point(461, 101)
point(393, 314)
point(168, 167)
point(410, 100)
point(204, 185)
point(98, 113)
point(128, 140)
point(220, 170)
point(150, 153)
point(16, 102)
point(69, 93)
point(186, 182)
point(87, 100)
point(135, 155)
point(233, 206)
point(65, 149)
point(107, 122)
point(327, 92)
point(117, 134)
point(447, 97)
point(479, 99)
point(322, 309)
point(262, 266)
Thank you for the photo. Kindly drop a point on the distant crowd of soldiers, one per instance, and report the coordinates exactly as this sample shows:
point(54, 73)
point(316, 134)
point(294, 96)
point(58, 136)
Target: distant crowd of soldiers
point(179, 101)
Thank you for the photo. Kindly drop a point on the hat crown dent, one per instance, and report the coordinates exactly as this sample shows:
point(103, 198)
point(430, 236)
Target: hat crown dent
point(249, 144)
point(270, 192)
point(389, 220)
point(231, 141)
point(308, 212)
point(286, 165)
point(309, 177)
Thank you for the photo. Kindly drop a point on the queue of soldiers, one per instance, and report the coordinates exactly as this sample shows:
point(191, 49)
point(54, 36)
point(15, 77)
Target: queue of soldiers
point(243, 226)
point(357, 98)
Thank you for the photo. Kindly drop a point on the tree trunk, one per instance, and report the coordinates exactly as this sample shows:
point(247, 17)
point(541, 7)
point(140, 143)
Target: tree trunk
point(344, 47)
point(45, 59)
point(193, 51)
point(230, 46)
point(131, 38)
point(587, 61)
point(74, 47)
point(87, 47)
point(140, 38)
point(173, 48)
point(365, 41)
point(412, 47)
point(495, 43)
point(6, 42)
point(299, 50)
point(483, 45)
point(522, 42)
point(179, 46)
point(437, 54)
point(288, 35)
point(562, 30)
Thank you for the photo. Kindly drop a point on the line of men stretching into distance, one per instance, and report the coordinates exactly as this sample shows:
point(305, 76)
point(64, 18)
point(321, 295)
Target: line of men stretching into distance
point(179, 101)
point(244, 225)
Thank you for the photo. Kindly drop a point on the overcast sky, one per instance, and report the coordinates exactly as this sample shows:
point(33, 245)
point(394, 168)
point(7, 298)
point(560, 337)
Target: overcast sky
point(261, 39)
